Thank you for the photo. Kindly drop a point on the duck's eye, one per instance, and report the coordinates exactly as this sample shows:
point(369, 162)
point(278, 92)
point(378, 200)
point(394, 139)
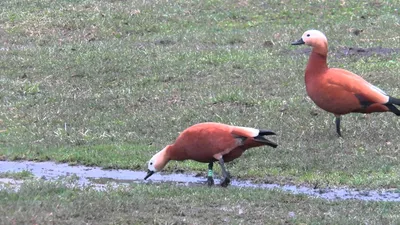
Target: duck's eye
point(308, 35)
point(151, 163)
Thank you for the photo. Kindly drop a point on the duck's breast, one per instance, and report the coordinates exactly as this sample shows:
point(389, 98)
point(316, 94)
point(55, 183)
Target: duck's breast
point(333, 97)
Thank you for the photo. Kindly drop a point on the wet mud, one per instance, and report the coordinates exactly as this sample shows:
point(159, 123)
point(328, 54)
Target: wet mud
point(98, 178)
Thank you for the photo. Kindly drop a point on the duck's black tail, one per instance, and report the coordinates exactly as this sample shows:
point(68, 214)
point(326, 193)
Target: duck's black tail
point(266, 132)
point(262, 139)
point(393, 101)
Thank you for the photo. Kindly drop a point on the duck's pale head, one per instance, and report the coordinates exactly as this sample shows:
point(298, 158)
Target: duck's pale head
point(157, 163)
point(315, 39)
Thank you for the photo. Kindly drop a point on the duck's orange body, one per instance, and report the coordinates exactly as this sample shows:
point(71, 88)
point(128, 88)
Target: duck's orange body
point(205, 142)
point(337, 90)
point(209, 142)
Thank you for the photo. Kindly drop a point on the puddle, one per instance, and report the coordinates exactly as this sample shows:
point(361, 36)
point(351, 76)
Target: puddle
point(97, 177)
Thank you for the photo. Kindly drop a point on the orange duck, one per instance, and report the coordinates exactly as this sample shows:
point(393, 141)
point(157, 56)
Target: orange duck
point(210, 142)
point(337, 90)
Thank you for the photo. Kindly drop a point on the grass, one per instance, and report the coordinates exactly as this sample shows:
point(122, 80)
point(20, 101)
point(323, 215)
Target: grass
point(109, 83)
point(17, 175)
point(43, 202)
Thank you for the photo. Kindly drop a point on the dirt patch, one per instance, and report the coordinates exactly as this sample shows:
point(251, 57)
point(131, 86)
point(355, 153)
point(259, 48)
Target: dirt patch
point(233, 104)
point(349, 52)
point(165, 42)
point(365, 52)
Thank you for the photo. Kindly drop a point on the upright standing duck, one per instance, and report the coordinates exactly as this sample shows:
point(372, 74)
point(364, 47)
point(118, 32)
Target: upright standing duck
point(337, 90)
point(209, 142)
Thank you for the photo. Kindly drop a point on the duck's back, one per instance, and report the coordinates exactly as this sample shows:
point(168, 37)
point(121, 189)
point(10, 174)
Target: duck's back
point(202, 141)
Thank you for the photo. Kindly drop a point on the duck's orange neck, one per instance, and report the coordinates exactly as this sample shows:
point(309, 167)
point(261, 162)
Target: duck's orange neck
point(175, 152)
point(167, 151)
point(316, 64)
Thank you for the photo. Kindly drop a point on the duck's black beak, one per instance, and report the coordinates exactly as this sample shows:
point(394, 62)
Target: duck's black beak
point(149, 173)
point(299, 42)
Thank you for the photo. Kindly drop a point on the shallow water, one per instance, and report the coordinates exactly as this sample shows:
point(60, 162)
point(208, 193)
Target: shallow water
point(97, 177)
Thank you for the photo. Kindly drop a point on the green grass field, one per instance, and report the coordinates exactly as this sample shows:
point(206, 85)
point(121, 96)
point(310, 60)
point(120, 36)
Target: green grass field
point(110, 83)
point(41, 202)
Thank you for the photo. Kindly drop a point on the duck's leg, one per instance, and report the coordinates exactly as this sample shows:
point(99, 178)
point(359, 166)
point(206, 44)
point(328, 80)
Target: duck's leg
point(225, 174)
point(338, 125)
point(210, 179)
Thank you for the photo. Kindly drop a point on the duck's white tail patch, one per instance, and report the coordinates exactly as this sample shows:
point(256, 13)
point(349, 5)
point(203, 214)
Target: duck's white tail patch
point(252, 132)
point(375, 88)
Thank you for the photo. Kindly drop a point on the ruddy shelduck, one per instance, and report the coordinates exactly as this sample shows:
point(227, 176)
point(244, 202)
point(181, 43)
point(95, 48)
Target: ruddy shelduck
point(210, 142)
point(337, 90)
